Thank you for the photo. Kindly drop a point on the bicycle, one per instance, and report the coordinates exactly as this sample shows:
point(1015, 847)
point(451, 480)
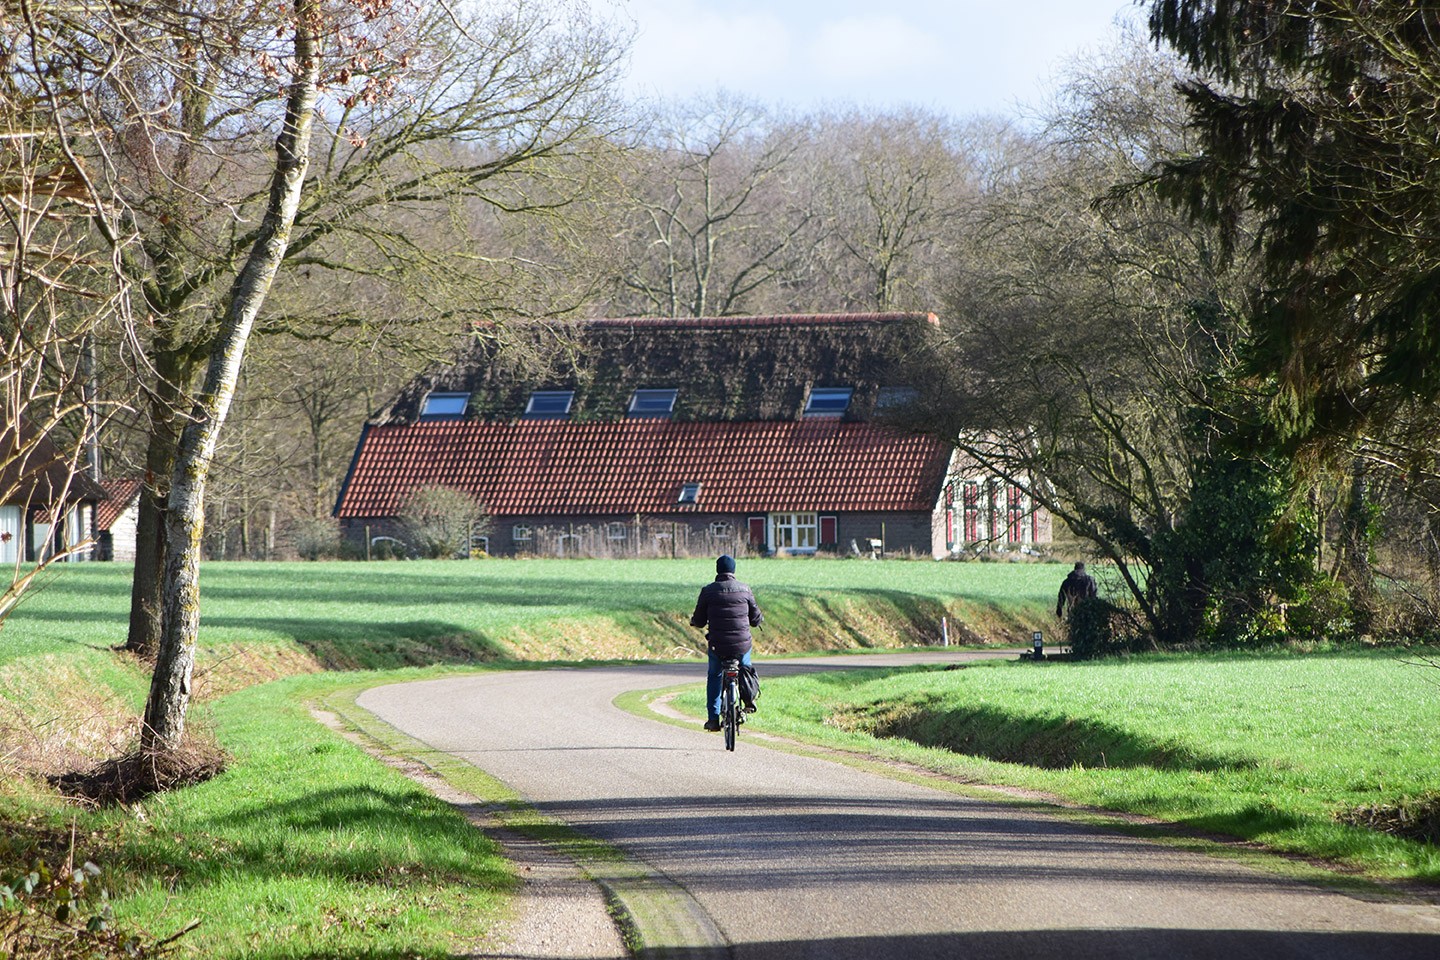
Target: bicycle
point(731, 712)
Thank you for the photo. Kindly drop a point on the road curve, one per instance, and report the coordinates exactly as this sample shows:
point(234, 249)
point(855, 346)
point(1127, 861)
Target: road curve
point(777, 855)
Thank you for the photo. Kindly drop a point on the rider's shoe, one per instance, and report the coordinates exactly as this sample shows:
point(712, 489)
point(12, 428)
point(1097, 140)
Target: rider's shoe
point(712, 725)
point(751, 708)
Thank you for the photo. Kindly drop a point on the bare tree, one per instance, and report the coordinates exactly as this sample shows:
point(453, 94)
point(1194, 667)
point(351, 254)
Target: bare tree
point(58, 292)
point(892, 189)
point(429, 116)
point(712, 215)
point(1090, 335)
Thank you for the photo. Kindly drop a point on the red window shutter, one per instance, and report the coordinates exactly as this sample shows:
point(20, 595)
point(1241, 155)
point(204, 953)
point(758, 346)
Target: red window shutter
point(827, 531)
point(757, 531)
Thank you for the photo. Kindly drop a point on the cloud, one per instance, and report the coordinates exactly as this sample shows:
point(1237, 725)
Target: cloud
point(681, 48)
point(865, 48)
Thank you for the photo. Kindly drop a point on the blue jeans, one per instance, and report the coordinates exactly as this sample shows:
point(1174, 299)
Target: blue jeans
point(713, 681)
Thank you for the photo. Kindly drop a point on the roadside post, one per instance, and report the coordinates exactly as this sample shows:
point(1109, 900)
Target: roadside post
point(1039, 642)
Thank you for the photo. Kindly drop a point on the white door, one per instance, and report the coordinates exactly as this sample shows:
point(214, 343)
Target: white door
point(12, 529)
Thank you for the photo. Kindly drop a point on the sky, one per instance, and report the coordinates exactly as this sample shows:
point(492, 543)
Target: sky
point(962, 57)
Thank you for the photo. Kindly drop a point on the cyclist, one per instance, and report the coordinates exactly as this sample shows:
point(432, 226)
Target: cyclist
point(728, 608)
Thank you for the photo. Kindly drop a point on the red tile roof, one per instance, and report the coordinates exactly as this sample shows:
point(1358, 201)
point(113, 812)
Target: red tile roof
point(122, 495)
point(534, 468)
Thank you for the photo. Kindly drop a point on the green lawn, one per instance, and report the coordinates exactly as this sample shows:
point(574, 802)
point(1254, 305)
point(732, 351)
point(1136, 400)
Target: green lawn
point(304, 847)
point(1266, 748)
point(382, 615)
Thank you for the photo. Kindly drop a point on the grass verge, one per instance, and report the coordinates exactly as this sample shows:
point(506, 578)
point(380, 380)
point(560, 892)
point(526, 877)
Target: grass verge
point(1274, 750)
point(304, 847)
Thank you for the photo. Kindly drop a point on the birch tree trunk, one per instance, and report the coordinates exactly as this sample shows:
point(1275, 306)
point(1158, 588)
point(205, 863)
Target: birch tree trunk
point(170, 688)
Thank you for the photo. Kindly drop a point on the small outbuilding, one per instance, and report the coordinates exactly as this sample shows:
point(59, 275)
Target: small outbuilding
point(47, 505)
point(116, 520)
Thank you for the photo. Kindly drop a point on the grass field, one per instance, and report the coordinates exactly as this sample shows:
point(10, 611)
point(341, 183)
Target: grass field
point(1265, 748)
point(382, 615)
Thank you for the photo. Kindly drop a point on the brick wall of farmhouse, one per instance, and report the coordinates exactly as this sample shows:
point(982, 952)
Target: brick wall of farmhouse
point(679, 535)
point(902, 532)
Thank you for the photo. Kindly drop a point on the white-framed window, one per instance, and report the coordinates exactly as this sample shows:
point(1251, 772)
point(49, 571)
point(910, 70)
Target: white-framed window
point(722, 530)
point(798, 532)
point(689, 493)
point(828, 401)
point(445, 405)
point(617, 531)
point(652, 403)
point(549, 404)
point(520, 533)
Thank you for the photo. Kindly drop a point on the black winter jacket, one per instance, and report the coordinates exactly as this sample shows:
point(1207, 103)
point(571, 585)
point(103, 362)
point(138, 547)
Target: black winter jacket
point(728, 608)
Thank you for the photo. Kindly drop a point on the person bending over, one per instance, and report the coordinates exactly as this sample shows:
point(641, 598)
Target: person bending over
point(728, 608)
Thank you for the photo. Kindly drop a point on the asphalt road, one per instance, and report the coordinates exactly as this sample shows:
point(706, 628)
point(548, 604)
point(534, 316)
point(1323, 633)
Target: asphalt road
point(768, 854)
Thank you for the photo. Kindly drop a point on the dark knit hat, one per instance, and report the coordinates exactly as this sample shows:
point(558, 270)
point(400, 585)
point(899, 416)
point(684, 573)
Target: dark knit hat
point(725, 564)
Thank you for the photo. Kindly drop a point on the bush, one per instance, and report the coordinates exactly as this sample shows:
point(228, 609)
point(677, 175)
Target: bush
point(54, 910)
point(1098, 628)
point(317, 539)
point(441, 521)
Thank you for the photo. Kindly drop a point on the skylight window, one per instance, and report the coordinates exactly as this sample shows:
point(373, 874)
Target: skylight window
point(690, 493)
point(652, 403)
point(828, 401)
point(445, 405)
point(549, 404)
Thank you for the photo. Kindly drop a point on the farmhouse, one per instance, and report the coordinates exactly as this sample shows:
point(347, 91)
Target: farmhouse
point(686, 436)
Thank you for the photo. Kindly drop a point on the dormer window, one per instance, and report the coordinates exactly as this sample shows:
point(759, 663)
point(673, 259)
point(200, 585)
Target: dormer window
point(828, 401)
point(445, 405)
point(689, 493)
point(549, 404)
point(652, 403)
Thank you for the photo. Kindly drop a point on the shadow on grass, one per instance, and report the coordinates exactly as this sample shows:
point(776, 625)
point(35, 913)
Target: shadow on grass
point(361, 645)
point(1054, 742)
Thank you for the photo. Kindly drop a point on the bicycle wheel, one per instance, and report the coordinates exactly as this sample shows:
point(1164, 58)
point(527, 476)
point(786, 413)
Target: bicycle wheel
point(730, 715)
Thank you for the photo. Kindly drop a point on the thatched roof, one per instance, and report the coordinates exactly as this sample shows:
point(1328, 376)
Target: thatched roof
point(725, 368)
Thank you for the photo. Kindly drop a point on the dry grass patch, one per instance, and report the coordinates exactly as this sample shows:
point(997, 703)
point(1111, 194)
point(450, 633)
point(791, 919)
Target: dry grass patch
point(55, 715)
point(1415, 819)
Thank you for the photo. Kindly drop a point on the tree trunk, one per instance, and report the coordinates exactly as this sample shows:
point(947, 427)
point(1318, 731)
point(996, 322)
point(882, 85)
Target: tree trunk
point(1353, 565)
point(170, 687)
point(144, 636)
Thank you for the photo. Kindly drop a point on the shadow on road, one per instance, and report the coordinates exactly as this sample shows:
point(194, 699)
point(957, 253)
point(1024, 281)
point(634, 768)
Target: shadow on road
point(1090, 945)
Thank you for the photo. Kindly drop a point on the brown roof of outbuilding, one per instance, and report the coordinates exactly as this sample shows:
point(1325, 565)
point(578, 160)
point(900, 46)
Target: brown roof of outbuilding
point(537, 468)
point(122, 495)
point(35, 472)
